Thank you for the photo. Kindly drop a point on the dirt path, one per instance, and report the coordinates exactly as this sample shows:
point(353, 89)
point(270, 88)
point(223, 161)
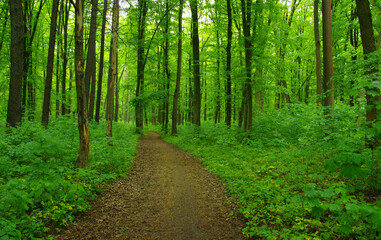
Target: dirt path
point(167, 195)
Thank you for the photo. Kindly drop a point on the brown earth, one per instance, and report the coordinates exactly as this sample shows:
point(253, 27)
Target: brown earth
point(167, 195)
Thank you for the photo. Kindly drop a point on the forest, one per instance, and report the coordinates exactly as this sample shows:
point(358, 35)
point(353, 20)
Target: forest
point(280, 99)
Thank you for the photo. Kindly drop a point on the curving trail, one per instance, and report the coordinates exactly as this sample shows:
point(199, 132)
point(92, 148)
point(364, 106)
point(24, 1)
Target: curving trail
point(167, 195)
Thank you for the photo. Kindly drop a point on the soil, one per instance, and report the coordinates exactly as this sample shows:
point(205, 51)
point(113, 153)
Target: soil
point(167, 195)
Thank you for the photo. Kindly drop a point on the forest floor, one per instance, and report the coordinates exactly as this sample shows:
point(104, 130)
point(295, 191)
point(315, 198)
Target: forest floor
point(167, 195)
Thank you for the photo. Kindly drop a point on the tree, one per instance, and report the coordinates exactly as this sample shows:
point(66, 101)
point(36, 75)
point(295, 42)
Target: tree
point(228, 117)
point(317, 52)
point(178, 74)
point(327, 56)
point(90, 71)
point(196, 65)
point(65, 58)
point(31, 19)
point(247, 101)
point(14, 113)
point(112, 68)
point(49, 68)
point(166, 67)
point(101, 60)
point(141, 63)
point(83, 124)
point(373, 98)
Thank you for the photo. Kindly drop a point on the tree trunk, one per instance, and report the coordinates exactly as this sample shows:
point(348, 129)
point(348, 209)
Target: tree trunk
point(317, 52)
point(140, 66)
point(28, 91)
point(83, 124)
point(248, 92)
point(178, 74)
point(111, 84)
point(101, 60)
point(373, 98)
point(59, 52)
point(14, 112)
point(50, 63)
point(196, 65)
point(327, 57)
point(65, 59)
point(91, 60)
point(166, 66)
point(228, 117)
point(217, 112)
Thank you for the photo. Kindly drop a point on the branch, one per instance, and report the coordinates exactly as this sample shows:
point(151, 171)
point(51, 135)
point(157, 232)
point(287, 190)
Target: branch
point(72, 3)
point(153, 35)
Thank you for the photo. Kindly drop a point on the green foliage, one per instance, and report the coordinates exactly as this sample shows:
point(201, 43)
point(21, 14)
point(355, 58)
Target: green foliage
point(296, 174)
point(39, 186)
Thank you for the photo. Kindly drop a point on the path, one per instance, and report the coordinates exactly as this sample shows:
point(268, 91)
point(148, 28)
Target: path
point(167, 195)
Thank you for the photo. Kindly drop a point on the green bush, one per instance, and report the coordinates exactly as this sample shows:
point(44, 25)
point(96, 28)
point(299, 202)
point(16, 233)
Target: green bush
point(296, 174)
point(39, 186)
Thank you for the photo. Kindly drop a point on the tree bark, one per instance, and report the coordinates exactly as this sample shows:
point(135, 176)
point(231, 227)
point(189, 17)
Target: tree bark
point(65, 59)
point(178, 74)
point(196, 65)
point(166, 67)
point(373, 98)
point(91, 60)
point(228, 117)
point(317, 53)
point(83, 124)
point(327, 57)
point(50, 63)
point(101, 60)
point(14, 111)
point(111, 84)
point(248, 92)
point(217, 112)
point(140, 66)
point(28, 88)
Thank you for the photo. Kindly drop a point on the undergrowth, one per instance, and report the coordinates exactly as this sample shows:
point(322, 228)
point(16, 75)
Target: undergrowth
point(39, 186)
point(295, 175)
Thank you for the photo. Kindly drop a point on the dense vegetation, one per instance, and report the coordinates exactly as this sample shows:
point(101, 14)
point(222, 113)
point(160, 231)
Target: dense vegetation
point(292, 176)
point(280, 98)
point(39, 186)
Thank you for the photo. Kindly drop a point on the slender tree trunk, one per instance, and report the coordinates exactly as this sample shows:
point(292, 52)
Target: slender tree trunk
point(113, 53)
point(317, 53)
point(327, 56)
point(228, 117)
point(90, 71)
point(14, 112)
point(140, 66)
point(373, 98)
point(248, 92)
point(166, 66)
point(30, 27)
point(217, 112)
point(65, 59)
point(83, 124)
point(50, 63)
point(190, 99)
point(178, 75)
point(101, 60)
point(59, 52)
point(196, 65)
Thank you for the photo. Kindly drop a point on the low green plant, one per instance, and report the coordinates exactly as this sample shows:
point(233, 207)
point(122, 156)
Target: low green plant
point(39, 186)
point(296, 174)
